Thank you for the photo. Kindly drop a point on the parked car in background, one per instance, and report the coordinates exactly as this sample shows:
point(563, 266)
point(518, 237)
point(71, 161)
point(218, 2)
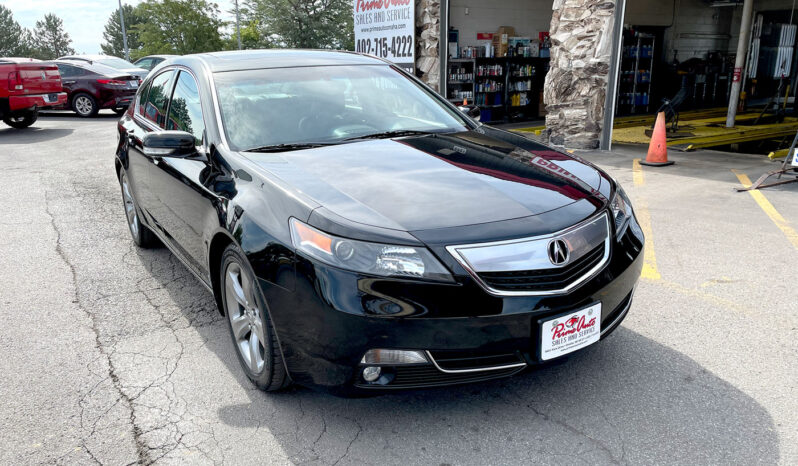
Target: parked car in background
point(26, 86)
point(92, 86)
point(151, 61)
point(109, 61)
point(360, 233)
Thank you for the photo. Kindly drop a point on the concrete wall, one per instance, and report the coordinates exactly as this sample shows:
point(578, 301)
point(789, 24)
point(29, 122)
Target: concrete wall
point(696, 27)
point(528, 17)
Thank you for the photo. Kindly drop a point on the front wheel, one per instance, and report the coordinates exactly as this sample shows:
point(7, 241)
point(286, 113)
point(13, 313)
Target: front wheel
point(22, 121)
point(250, 326)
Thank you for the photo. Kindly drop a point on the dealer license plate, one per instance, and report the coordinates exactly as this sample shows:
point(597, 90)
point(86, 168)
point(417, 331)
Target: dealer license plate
point(51, 98)
point(134, 84)
point(565, 334)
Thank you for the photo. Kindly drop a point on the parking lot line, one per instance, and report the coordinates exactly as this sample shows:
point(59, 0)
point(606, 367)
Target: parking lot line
point(765, 205)
point(650, 271)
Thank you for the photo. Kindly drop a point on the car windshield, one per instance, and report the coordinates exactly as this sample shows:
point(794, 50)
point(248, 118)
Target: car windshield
point(326, 104)
point(117, 63)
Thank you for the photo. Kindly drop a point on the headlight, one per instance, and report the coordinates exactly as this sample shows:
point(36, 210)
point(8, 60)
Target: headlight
point(370, 258)
point(621, 210)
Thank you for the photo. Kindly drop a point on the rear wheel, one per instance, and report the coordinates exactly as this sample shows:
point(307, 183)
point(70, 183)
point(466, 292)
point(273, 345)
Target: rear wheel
point(142, 235)
point(84, 105)
point(22, 121)
point(250, 326)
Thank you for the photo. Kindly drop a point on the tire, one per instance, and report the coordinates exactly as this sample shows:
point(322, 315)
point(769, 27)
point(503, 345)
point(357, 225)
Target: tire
point(22, 121)
point(84, 105)
point(119, 110)
point(142, 236)
point(249, 323)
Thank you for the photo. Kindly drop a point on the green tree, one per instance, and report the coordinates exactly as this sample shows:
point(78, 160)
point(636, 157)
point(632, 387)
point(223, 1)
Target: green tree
point(318, 24)
point(179, 27)
point(14, 40)
point(112, 34)
point(50, 41)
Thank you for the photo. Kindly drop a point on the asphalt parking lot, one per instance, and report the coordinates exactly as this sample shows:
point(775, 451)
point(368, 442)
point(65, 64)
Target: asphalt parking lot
point(117, 355)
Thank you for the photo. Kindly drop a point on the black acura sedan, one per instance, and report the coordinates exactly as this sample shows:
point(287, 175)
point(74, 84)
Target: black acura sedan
point(362, 234)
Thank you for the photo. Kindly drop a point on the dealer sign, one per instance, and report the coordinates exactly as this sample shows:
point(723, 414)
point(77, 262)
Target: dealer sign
point(386, 29)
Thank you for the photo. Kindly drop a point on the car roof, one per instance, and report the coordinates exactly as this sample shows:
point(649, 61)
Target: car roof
point(98, 68)
point(86, 57)
point(157, 56)
point(276, 58)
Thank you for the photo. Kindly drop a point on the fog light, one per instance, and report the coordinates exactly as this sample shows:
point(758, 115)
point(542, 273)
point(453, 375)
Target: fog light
point(393, 357)
point(371, 373)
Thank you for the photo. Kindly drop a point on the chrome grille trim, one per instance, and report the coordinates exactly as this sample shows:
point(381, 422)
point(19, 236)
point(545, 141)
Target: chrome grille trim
point(479, 369)
point(454, 250)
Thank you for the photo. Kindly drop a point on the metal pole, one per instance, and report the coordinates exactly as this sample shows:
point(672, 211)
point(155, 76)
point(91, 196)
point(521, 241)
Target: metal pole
point(739, 61)
point(238, 30)
point(124, 33)
point(605, 143)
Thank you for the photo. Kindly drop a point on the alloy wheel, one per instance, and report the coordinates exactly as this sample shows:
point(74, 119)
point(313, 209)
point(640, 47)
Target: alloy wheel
point(130, 207)
point(83, 105)
point(245, 317)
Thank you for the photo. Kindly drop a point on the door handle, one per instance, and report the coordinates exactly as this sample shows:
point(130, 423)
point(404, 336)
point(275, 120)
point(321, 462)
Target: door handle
point(67, 82)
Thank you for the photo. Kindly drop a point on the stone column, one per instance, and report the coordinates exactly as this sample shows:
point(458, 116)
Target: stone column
point(428, 33)
point(576, 85)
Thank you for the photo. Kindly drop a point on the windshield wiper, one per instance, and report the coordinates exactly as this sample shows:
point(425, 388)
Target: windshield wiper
point(391, 134)
point(289, 147)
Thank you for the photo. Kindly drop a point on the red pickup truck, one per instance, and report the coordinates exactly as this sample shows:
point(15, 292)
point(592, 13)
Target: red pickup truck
point(27, 85)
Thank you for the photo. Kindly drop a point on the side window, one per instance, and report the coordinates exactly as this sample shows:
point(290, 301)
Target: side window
point(185, 111)
point(145, 63)
point(67, 71)
point(141, 102)
point(158, 98)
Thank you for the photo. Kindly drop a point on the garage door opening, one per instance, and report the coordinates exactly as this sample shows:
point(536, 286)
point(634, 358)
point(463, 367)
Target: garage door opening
point(498, 56)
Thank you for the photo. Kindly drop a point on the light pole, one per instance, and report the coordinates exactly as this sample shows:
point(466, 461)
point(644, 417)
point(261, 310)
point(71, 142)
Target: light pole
point(124, 33)
point(238, 30)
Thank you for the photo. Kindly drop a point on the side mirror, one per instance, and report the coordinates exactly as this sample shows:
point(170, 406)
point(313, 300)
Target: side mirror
point(473, 112)
point(169, 144)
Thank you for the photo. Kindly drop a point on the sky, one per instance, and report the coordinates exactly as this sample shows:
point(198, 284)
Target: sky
point(84, 20)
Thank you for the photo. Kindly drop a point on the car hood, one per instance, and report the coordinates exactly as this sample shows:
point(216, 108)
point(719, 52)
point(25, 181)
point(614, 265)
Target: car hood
point(436, 181)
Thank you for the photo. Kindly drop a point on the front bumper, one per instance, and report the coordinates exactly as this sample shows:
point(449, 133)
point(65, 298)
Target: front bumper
point(333, 317)
point(19, 103)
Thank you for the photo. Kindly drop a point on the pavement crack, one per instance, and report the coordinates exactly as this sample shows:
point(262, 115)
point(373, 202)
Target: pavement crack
point(141, 449)
point(349, 446)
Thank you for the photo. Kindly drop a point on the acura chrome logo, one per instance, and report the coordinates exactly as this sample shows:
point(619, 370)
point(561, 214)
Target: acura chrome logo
point(558, 252)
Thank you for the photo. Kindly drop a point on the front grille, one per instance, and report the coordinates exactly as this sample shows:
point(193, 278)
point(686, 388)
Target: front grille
point(546, 279)
point(429, 376)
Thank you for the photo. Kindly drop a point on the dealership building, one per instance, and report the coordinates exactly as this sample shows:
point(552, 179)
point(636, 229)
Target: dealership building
point(578, 64)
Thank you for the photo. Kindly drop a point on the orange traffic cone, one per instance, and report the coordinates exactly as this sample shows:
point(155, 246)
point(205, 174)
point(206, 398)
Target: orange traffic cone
point(658, 149)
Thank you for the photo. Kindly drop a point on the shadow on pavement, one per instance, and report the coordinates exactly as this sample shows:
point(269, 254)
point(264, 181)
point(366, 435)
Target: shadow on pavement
point(626, 399)
point(31, 135)
point(64, 114)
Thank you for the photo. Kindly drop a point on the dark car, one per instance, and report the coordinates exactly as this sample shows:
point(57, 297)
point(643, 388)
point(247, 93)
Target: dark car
point(360, 233)
point(110, 61)
point(151, 61)
point(92, 87)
